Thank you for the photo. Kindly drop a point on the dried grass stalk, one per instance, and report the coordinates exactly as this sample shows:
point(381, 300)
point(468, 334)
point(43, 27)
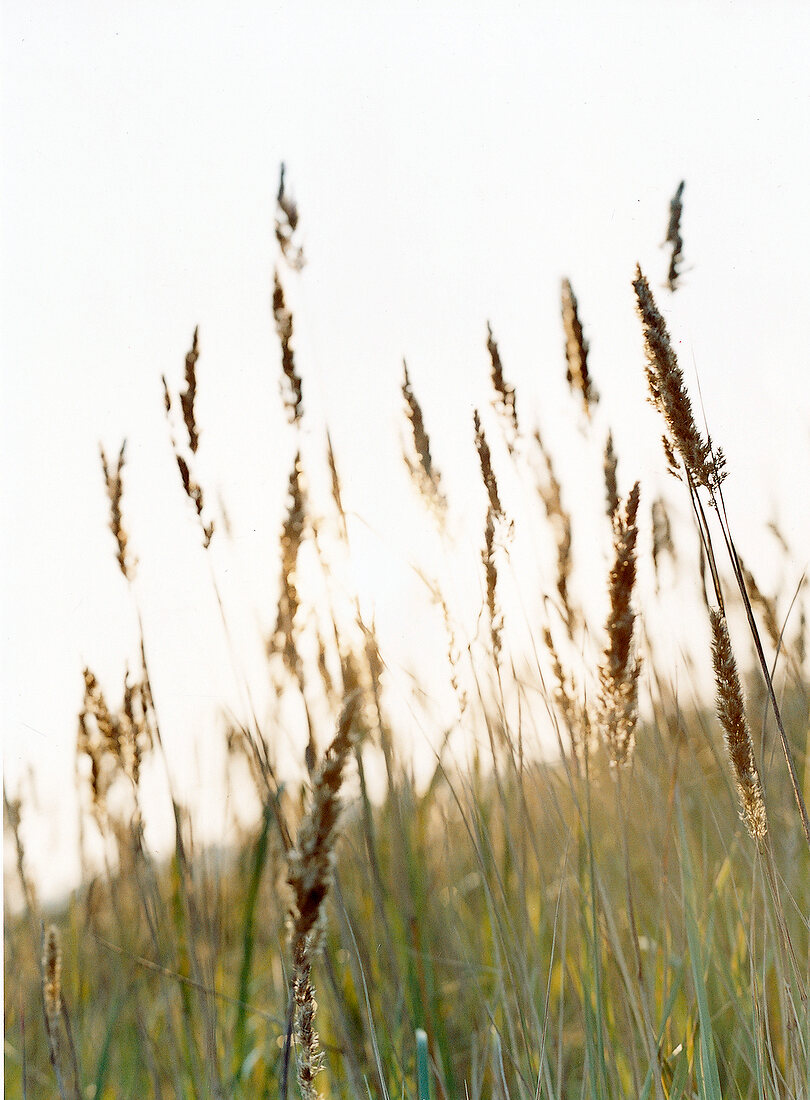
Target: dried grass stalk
point(491, 577)
point(487, 473)
point(662, 542)
point(611, 463)
point(668, 393)
point(423, 472)
point(674, 236)
point(550, 492)
point(190, 487)
point(766, 605)
point(286, 225)
point(565, 696)
point(504, 393)
point(310, 866)
point(576, 350)
point(293, 529)
point(113, 481)
point(619, 671)
point(292, 391)
point(188, 395)
point(731, 712)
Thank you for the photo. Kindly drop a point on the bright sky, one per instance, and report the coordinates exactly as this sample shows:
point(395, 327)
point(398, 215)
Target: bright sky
point(451, 164)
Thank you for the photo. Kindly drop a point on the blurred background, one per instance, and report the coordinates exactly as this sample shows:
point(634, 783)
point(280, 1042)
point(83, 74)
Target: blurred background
point(451, 164)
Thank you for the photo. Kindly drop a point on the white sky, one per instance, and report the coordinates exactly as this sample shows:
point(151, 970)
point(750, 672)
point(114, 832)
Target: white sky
point(451, 164)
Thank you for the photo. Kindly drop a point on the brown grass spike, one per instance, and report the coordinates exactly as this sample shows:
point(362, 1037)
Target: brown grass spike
point(618, 674)
point(576, 350)
point(668, 391)
point(731, 712)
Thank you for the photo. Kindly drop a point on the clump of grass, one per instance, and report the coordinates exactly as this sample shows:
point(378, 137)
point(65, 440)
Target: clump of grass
point(509, 928)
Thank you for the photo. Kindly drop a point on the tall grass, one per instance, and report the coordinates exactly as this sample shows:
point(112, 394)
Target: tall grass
point(625, 915)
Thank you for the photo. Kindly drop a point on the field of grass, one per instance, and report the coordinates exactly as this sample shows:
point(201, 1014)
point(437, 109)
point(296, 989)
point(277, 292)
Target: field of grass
point(626, 916)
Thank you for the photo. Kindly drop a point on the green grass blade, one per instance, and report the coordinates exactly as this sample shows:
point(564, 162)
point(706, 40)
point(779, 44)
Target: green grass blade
point(708, 1076)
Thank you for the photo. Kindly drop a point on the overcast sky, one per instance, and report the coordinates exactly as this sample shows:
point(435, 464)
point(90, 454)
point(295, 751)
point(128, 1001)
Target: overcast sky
point(451, 164)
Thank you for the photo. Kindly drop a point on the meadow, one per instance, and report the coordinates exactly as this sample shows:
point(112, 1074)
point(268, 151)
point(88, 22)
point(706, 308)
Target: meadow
point(601, 888)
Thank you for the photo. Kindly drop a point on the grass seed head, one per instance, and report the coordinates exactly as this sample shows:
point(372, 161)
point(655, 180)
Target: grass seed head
point(52, 974)
point(668, 392)
point(291, 385)
point(674, 236)
point(731, 712)
point(422, 469)
point(611, 463)
point(113, 481)
point(504, 393)
point(619, 671)
point(576, 350)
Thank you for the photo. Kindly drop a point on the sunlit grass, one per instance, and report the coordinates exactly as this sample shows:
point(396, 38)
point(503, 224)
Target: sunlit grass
point(594, 922)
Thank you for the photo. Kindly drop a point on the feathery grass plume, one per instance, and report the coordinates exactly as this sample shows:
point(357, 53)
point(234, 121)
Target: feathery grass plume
point(619, 671)
point(661, 535)
point(52, 975)
point(422, 470)
point(674, 236)
point(731, 712)
point(292, 392)
point(283, 639)
point(576, 350)
point(115, 490)
point(310, 868)
point(188, 395)
point(286, 225)
point(668, 393)
point(611, 463)
point(504, 393)
point(487, 473)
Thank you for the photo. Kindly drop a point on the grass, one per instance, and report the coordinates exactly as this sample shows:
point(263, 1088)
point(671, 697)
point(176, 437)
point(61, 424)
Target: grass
point(624, 917)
